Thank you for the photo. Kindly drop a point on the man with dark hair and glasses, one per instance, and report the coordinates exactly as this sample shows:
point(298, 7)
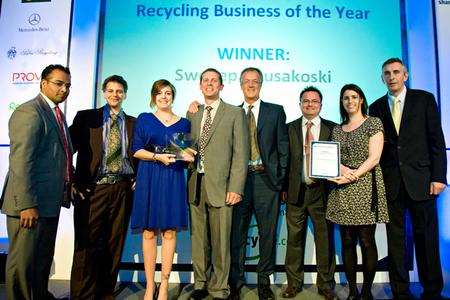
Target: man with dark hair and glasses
point(40, 170)
point(307, 197)
point(103, 181)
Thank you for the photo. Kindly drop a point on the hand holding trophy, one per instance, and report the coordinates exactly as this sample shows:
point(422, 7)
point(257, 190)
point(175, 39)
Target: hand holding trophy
point(179, 145)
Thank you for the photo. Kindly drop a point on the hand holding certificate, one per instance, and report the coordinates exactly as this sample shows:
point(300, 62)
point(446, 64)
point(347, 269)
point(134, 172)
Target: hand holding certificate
point(325, 160)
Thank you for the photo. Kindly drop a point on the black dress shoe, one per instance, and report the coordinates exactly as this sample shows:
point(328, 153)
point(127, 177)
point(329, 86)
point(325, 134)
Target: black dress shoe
point(291, 291)
point(264, 292)
point(198, 294)
point(329, 294)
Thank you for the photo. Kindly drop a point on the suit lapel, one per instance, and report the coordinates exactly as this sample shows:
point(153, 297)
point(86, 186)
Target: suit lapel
point(128, 124)
point(262, 116)
point(298, 138)
point(324, 134)
point(197, 122)
point(407, 110)
point(48, 113)
point(96, 135)
point(385, 111)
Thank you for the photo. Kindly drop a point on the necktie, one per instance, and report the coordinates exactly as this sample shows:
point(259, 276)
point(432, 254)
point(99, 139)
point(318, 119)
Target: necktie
point(253, 139)
point(308, 139)
point(396, 114)
point(114, 149)
point(67, 151)
point(205, 131)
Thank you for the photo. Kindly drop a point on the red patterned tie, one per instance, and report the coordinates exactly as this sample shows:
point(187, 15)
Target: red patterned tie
point(308, 139)
point(62, 132)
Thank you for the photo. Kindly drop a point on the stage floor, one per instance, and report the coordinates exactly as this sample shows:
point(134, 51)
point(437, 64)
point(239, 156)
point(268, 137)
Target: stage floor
point(131, 291)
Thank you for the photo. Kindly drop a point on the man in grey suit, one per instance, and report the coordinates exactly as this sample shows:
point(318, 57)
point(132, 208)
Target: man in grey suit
point(307, 197)
point(40, 164)
point(215, 183)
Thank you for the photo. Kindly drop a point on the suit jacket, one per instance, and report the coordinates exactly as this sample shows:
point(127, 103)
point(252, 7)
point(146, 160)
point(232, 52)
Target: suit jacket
point(417, 155)
point(226, 154)
point(87, 137)
point(37, 161)
point(273, 142)
point(295, 167)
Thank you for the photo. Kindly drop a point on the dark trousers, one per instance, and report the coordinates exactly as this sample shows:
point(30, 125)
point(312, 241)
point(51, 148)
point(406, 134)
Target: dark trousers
point(312, 203)
point(101, 223)
point(30, 258)
point(426, 242)
point(260, 199)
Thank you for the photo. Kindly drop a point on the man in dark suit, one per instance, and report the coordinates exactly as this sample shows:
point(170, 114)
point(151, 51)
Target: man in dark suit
point(268, 142)
point(40, 164)
point(307, 197)
point(414, 168)
point(103, 199)
point(215, 183)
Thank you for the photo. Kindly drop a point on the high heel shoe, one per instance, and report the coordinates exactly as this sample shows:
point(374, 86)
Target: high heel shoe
point(156, 292)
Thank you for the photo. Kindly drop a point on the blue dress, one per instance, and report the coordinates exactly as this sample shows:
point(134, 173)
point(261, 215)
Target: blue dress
point(160, 198)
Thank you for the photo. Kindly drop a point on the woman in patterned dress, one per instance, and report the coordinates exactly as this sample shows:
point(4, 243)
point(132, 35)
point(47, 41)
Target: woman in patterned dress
point(358, 200)
point(160, 198)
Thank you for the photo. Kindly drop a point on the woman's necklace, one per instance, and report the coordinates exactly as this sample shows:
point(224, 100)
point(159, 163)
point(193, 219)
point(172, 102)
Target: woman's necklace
point(166, 119)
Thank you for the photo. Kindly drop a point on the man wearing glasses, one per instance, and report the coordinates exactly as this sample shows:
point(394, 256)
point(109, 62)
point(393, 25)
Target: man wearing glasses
point(268, 141)
point(40, 167)
point(103, 183)
point(307, 197)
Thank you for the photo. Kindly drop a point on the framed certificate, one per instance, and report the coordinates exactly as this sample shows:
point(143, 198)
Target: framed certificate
point(325, 159)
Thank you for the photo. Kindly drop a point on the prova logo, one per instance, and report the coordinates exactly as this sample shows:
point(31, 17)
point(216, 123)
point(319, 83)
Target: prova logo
point(25, 78)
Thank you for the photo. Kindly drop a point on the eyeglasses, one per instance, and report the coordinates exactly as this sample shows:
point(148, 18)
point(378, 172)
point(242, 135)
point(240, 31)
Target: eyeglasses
point(247, 82)
point(307, 101)
point(61, 84)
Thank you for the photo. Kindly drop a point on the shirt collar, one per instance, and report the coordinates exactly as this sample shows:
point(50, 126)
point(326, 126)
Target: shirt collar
point(215, 104)
point(315, 121)
point(107, 113)
point(49, 102)
point(400, 97)
point(255, 104)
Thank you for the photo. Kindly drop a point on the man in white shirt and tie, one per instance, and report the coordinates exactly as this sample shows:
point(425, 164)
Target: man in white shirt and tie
point(215, 183)
point(306, 197)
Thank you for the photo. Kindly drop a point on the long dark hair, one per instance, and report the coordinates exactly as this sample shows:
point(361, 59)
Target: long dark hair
point(352, 87)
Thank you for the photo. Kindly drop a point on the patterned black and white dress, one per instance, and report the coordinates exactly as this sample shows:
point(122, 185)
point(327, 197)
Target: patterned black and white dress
point(362, 202)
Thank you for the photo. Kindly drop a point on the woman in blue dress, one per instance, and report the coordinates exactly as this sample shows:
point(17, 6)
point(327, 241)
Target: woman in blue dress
point(160, 195)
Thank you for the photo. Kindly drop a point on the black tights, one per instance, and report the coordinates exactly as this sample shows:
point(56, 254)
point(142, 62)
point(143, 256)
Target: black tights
point(349, 238)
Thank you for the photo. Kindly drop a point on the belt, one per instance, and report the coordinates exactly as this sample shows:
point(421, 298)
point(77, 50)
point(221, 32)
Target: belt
point(256, 168)
point(112, 179)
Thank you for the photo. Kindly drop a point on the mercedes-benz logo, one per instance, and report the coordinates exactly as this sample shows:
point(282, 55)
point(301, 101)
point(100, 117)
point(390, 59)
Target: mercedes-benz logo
point(34, 19)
